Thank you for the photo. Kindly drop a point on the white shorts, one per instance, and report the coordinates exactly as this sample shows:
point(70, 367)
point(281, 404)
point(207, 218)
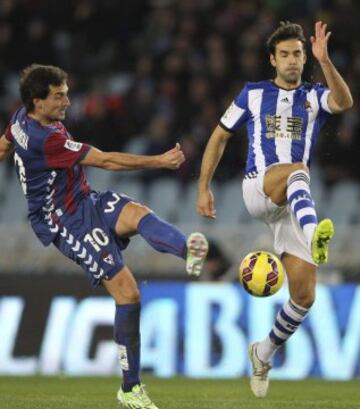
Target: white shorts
point(288, 236)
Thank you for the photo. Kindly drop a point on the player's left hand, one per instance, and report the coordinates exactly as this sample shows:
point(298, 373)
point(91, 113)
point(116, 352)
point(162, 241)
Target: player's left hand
point(173, 158)
point(320, 42)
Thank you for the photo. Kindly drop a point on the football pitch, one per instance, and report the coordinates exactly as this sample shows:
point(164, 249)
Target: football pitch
point(175, 393)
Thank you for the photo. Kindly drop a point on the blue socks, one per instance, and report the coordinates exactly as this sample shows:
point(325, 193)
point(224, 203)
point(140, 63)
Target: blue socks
point(127, 337)
point(162, 236)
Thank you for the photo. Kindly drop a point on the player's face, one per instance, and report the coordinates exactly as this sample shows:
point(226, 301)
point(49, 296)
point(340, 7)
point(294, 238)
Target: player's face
point(289, 60)
point(53, 107)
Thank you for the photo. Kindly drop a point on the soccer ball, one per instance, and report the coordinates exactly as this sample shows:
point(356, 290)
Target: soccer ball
point(261, 273)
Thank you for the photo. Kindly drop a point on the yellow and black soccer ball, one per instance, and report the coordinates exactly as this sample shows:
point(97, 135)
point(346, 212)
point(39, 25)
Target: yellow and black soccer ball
point(261, 273)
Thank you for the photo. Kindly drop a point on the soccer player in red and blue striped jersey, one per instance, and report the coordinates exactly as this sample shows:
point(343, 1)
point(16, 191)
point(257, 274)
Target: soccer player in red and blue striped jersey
point(89, 227)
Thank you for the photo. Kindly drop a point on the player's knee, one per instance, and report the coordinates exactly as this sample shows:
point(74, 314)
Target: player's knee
point(138, 212)
point(299, 166)
point(129, 294)
point(134, 295)
point(304, 299)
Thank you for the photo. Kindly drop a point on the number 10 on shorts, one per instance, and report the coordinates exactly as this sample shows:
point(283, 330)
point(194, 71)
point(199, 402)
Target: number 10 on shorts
point(97, 238)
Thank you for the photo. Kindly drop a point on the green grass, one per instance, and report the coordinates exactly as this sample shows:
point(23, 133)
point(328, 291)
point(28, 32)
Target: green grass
point(176, 393)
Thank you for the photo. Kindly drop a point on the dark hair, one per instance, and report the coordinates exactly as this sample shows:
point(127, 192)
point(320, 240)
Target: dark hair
point(35, 81)
point(286, 31)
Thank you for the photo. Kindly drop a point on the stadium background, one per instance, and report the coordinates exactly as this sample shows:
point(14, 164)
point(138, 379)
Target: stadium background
point(143, 76)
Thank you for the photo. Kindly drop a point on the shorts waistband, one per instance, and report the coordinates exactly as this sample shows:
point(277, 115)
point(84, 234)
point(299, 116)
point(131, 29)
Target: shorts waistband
point(251, 175)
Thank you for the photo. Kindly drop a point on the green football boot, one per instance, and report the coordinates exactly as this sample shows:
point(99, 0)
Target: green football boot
point(137, 398)
point(324, 232)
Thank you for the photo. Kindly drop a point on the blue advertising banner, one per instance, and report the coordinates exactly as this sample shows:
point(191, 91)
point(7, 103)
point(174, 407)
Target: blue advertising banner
point(194, 329)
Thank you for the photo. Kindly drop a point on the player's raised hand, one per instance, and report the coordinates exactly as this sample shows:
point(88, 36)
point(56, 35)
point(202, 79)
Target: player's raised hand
point(320, 42)
point(173, 158)
point(206, 204)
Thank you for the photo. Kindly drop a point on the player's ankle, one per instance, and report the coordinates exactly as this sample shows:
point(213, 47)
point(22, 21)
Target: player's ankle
point(128, 386)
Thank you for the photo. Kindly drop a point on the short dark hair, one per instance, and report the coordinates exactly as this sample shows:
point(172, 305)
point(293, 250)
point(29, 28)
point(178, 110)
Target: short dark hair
point(286, 31)
point(35, 81)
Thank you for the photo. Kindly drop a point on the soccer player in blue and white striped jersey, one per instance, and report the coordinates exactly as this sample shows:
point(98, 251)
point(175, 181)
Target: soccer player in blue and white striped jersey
point(283, 117)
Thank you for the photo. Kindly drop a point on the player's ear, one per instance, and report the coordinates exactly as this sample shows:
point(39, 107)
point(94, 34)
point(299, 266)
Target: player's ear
point(37, 103)
point(272, 60)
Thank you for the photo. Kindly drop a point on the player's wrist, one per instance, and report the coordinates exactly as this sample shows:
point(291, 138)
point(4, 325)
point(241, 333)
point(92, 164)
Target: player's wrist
point(204, 187)
point(325, 62)
point(157, 162)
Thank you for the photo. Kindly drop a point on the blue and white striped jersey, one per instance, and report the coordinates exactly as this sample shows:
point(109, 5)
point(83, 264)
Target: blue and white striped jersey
point(282, 125)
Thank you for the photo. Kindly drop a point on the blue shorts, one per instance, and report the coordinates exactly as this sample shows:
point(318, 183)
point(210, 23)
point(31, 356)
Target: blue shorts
point(88, 236)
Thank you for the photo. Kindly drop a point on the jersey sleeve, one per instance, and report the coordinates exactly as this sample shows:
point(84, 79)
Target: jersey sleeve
point(323, 95)
point(237, 113)
point(62, 152)
point(8, 134)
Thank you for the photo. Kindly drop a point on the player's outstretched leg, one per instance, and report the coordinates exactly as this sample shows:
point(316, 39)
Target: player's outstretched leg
point(137, 398)
point(259, 380)
point(197, 249)
point(320, 243)
point(167, 238)
point(162, 236)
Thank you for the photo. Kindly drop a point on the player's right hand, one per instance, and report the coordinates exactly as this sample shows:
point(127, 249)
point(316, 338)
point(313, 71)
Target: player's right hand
point(173, 158)
point(206, 204)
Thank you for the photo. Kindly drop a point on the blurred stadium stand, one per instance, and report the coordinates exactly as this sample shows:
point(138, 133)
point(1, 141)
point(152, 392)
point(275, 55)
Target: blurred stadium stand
point(147, 74)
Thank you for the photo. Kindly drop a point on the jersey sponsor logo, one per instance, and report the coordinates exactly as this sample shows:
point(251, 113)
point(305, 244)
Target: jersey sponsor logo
point(274, 128)
point(73, 146)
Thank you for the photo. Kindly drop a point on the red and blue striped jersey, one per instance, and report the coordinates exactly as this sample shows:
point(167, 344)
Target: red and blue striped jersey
point(47, 165)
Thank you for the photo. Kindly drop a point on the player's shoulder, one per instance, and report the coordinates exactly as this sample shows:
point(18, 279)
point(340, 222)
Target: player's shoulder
point(245, 93)
point(51, 135)
point(18, 116)
point(249, 86)
point(313, 86)
point(265, 84)
point(33, 128)
point(55, 130)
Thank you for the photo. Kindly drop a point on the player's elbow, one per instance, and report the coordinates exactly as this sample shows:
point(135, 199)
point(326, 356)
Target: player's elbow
point(344, 105)
point(107, 162)
point(97, 159)
point(3, 155)
point(350, 103)
point(221, 135)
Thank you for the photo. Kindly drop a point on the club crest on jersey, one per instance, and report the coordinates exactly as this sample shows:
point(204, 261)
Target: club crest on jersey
point(109, 259)
point(73, 146)
point(307, 106)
